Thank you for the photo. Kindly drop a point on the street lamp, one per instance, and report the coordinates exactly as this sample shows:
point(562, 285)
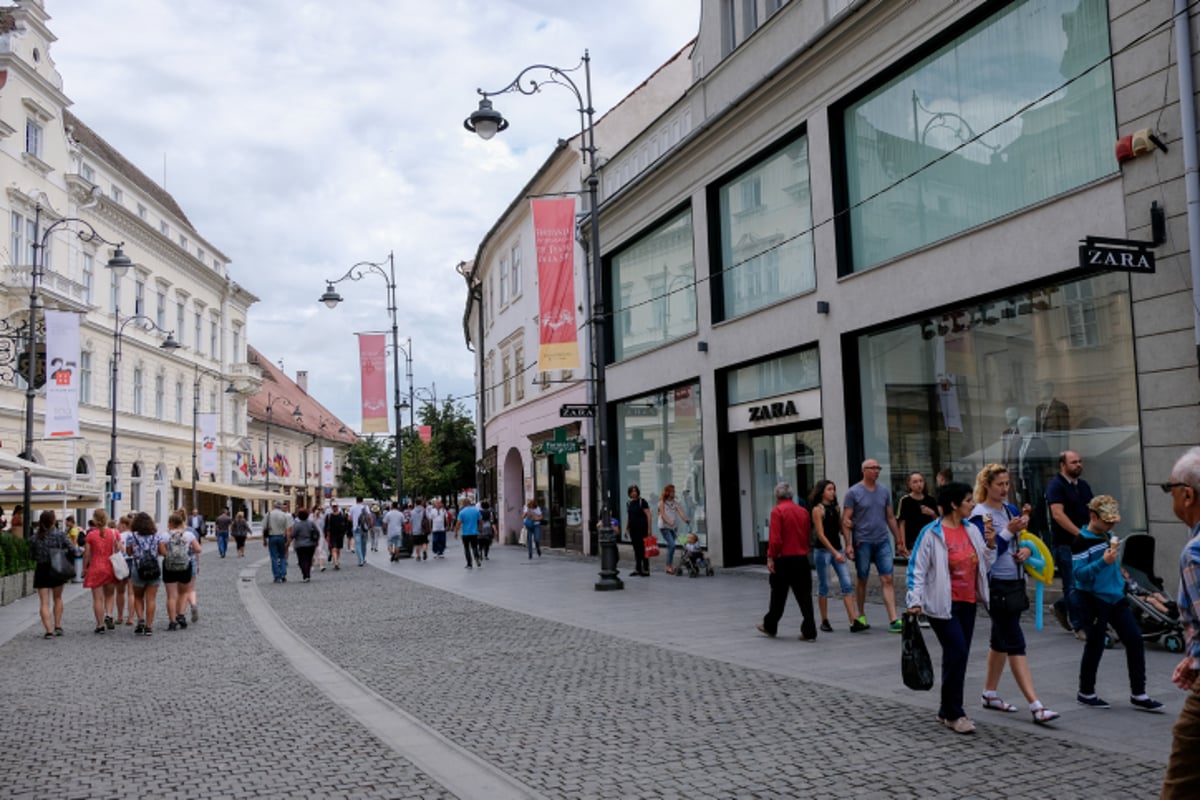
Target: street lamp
point(168, 343)
point(487, 122)
point(296, 415)
point(119, 262)
point(411, 401)
point(196, 375)
point(318, 439)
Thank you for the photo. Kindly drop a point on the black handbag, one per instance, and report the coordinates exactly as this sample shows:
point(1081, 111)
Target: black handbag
point(62, 564)
point(916, 667)
point(1008, 596)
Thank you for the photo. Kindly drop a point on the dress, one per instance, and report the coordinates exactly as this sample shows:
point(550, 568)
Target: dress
point(100, 571)
point(39, 549)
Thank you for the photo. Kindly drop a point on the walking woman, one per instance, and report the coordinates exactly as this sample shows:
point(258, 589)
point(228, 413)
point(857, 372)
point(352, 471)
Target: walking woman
point(305, 537)
point(99, 545)
point(419, 525)
point(947, 577)
point(376, 527)
point(47, 538)
point(487, 528)
point(916, 510)
point(177, 570)
point(1006, 582)
point(125, 587)
point(321, 554)
point(145, 543)
point(437, 521)
point(830, 552)
point(240, 530)
point(637, 525)
point(670, 515)
point(533, 528)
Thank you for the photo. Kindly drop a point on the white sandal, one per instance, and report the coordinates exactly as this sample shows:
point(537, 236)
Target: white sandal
point(995, 703)
point(1043, 715)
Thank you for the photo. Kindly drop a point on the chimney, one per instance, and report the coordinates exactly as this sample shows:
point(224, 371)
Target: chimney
point(302, 380)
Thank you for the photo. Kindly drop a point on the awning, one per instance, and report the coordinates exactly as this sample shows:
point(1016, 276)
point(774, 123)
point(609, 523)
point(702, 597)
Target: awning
point(52, 499)
point(229, 490)
point(9, 461)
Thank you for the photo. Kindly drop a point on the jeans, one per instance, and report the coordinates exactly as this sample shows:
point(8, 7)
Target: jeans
point(880, 554)
point(791, 573)
point(824, 560)
point(1098, 615)
point(360, 546)
point(669, 537)
point(1069, 601)
point(954, 635)
point(533, 538)
point(222, 542)
point(277, 546)
point(439, 542)
point(1182, 780)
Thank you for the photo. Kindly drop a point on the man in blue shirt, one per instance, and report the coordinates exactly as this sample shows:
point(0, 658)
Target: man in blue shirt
point(467, 525)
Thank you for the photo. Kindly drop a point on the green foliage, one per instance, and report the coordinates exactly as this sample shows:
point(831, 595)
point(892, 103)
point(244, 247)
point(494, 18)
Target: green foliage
point(14, 555)
point(370, 468)
point(447, 463)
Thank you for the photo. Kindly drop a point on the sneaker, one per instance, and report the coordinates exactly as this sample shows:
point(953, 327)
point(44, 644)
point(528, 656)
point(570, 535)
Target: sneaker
point(1148, 704)
point(826, 627)
point(108, 623)
point(923, 621)
point(859, 625)
point(759, 627)
point(174, 626)
point(1061, 616)
point(182, 620)
point(896, 627)
point(195, 614)
point(140, 629)
point(960, 725)
point(1091, 701)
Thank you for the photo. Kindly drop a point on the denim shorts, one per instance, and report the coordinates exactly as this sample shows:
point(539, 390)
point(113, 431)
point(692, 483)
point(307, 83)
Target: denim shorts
point(824, 560)
point(878, 553)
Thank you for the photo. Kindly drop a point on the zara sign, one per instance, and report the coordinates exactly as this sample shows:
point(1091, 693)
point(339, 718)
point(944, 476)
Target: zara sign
point(1127, 255)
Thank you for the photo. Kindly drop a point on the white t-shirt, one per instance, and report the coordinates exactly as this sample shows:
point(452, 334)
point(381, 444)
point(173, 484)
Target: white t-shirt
point(393, 522)
point(437, 518)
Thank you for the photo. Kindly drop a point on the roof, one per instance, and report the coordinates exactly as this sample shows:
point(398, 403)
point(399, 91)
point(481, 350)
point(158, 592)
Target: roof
point(285, 394)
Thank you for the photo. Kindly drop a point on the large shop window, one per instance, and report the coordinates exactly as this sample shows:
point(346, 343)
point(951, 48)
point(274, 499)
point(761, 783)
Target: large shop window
point(655, 279)
point(1013, 381)
point(766, 232)
point(660, 442)
point(949, 143)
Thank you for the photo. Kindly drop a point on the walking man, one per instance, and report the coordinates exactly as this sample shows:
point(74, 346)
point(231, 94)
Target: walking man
point(393, 528)
point(787, 561)
point(1183, 768)
point(867, 519)
point(275, 528)
point(1068, 496)
point(223, 524)
point(467, 524)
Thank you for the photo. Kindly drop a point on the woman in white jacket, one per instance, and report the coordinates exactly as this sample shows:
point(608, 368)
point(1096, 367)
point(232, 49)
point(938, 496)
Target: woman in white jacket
point(947, 578)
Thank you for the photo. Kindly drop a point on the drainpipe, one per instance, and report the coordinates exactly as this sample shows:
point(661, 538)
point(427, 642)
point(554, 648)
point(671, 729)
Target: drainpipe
point(1191, 162)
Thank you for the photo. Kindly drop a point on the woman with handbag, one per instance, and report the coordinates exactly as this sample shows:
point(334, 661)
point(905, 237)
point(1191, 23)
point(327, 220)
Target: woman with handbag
point(637, 525)
point(533, 528)
point(240, 530)
point(947, 577)
point(1006, 586)
point(51, 553)
point(670, 515)
point(100, 544)
point(125, 585)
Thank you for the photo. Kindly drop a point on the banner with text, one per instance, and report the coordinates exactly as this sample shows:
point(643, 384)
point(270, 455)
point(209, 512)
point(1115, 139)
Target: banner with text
point(208, 443)
point(372, 355)
point(327, 466)
point(554, 237)
point(62, 374)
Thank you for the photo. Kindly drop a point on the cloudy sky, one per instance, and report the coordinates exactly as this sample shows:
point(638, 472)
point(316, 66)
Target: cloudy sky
point(301, 137)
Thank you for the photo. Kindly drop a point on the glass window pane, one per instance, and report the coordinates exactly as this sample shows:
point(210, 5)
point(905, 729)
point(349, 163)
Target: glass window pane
point(791, 373)
point(655, 279)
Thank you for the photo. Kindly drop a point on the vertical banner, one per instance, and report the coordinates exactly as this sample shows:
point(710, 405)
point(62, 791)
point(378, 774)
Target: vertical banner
point(425, 432)
point(327, 466)
point(372, 357)
point(554, 237)
point(62, 371)
point(208, 443)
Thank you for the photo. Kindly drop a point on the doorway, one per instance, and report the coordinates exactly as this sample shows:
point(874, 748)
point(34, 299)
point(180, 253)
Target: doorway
point(795, 456)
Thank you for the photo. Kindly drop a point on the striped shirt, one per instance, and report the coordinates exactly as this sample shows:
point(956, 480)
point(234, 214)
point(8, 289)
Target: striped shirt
point(1189, 594)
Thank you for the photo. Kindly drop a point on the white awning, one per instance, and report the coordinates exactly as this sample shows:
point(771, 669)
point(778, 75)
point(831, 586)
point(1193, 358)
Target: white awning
point(229, 490)
point(8, 461)
point(53, 499)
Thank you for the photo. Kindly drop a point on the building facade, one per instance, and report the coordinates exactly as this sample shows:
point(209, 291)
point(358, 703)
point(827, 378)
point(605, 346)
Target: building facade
point(868, 245)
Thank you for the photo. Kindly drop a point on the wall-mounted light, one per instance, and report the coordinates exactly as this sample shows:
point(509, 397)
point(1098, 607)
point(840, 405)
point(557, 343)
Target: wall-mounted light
point(822, 306)
point(702, 347)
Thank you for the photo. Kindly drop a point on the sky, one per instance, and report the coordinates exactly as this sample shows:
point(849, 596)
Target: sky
point(303, 137)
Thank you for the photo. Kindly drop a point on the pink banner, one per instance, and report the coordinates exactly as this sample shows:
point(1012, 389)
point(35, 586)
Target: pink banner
point(554, 236)
point(372, 357)
point(425, 432)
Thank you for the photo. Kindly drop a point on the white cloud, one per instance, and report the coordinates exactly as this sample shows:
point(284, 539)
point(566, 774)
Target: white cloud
point(302, 137)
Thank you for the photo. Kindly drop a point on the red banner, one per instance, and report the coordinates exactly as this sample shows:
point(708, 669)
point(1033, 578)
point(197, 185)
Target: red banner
point(372, 357)
point(554, 236)
point(425, 432)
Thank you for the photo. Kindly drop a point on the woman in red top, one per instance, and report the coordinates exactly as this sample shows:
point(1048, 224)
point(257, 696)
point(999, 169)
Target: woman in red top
point(99, 544)
point(787, 561)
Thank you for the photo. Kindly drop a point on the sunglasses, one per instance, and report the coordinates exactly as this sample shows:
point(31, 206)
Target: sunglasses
point(1167, 487)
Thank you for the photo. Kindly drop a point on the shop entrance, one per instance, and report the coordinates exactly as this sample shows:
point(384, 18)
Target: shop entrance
point(795, 456)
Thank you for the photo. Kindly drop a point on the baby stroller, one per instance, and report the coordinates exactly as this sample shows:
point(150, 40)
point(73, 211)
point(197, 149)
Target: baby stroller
point(1158, 618)
point(693, 561)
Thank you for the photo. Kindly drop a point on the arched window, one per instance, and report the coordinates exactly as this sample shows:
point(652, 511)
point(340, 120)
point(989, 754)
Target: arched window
point(135, 488)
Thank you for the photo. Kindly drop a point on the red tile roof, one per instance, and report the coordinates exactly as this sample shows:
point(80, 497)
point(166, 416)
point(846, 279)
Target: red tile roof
point(285, 395)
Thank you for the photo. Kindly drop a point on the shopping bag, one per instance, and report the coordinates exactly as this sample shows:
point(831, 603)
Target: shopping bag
point(916, 668)
point(651, 546)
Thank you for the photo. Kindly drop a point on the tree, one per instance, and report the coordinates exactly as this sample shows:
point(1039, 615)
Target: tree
point(447, 463)
point(370, 468)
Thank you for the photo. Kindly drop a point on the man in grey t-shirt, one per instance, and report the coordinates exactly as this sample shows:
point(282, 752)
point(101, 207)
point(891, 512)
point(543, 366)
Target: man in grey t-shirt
point(867, 519)
point(393, 528)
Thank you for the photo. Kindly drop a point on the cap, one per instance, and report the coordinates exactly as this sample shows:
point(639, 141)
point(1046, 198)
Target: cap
point(1105, 507)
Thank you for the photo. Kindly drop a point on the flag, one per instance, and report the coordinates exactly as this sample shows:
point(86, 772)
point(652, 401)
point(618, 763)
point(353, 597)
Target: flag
point(208, 443)
point(554, 238)
point(62, 369)
point(372, 352)
point(326, 466)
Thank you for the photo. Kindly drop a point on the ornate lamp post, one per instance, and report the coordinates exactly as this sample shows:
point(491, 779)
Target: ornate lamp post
point(487, 122)
point(296, 415)
point(197, 373)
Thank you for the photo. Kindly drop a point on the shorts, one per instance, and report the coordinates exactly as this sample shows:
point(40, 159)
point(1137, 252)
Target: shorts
point(337, 541)
point(141, 584)
point(420, 538)
point(1007, 636)
point(394, 540)
point(824, 562)
point(181, 576)
point(878, 553)
point(46, 578)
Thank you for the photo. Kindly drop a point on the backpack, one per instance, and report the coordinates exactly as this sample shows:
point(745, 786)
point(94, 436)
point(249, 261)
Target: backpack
point(147, 565)
point(178, 559)
point(364, 520)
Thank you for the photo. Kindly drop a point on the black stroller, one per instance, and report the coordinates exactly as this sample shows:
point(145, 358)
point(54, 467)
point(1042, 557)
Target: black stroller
point(1158, 617)
point(694, 562)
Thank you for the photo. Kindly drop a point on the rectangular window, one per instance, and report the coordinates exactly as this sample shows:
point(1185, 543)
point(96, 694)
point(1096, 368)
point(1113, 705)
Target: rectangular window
point(200, 253)
point(183, 242)
point(199, 325)
point(16, 242)
point(212, 339)
point(212, 402)
point(160, 398)
point(85, 377)
point(507, 381)
point(88, 173)
point(657, 279)
point(179, 402)
point(504, 281)
point(164, 229)
point(766, 232)
point(139, 296)
point(795, 372)
point(160, 311)
point(31, 237)
point(137, 390)
point(116, 193)
point(236, 355)
point(519, 361)
point(114, 290)
point(516, 271)
point(491, 299)
point(141, 211)
point(179, 320)
point(957, 140)
point(89, 276)
point(33, 138)
point(1083, 329)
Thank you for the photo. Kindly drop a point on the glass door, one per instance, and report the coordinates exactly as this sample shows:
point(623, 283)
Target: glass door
point(797, 457)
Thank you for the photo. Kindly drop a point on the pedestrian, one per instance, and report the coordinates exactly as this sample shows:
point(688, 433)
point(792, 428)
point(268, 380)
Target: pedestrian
point(466, 525)
point(240, 530)
point(788, 543)
point(75, 536)
point(947, 578)
point(916, 510)
point(945, 477)
point(1182, 780)
point(437, 527)
point(867, 519)
point(304, 536)
point(1006, 580)
point(532, 520)
point(177, 568)
point(223, 524)
point(829, 552)
point(147, 544)
point(418, 522)
point(487, 528)
point(376, 527)
point(393, 528)
point(336, 527)
point(16, 523)
point(275, 531)
point(196, 523)
point(100, 543)
point(321, 556)
point(363, 521)
point(1068, 495)
point(670, 515)
point(637, 526)
point(125, 587)
point(188, 590)
point(47, 538)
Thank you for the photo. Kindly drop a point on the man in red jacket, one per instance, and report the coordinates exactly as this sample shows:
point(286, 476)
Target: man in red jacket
point(787, 561)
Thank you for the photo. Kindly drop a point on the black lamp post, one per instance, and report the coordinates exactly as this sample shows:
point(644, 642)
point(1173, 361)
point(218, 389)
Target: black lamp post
point(197, 373)
point(119, 262)
point(296, 415)
point(331, 298)
point(487, 122)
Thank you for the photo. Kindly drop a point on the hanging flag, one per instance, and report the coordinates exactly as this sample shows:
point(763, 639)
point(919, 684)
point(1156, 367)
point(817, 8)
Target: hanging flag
point(208, 443)
point(327, 466)
point(287, 465)
point(372, 356)
point(425, 432)
point(554, 237)
point(62, 384)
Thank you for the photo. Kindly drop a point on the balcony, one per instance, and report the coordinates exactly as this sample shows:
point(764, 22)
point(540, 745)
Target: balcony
point(54, 287)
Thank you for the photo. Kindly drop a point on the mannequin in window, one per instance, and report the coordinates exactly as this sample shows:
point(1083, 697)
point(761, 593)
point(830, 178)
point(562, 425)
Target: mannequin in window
point(1034, 469)
point(1010, 439)
point(1051, 414)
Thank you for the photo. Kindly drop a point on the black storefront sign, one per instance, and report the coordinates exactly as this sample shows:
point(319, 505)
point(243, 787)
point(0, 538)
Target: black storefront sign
point(1127, 255)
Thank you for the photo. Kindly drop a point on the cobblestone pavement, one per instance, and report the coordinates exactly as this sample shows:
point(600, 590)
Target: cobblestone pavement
point(568, 710)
